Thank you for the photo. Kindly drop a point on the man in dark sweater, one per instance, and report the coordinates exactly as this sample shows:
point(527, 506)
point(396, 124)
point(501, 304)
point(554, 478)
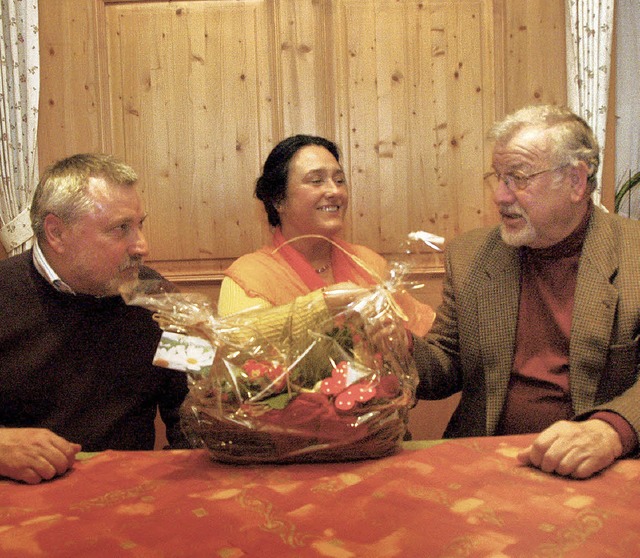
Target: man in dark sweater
point(75, 360)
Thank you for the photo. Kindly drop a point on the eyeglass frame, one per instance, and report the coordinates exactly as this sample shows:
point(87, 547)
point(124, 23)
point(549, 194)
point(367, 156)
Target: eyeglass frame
point(517, 179)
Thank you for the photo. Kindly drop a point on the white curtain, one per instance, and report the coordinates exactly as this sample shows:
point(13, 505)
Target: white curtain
point(20, 73)
point(628, 102)
point(589, 33)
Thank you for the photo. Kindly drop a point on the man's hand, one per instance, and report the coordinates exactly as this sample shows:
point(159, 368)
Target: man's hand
point(385, 330)
point(574, 449)
point(34, 454)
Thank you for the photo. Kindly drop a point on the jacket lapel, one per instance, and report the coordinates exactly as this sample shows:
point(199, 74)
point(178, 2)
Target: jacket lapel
point(594, 311)
point(498, 297)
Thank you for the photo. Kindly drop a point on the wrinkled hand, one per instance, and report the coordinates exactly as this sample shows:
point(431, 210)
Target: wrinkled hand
point(34, 454)
point(390, 335)
point(574, 449)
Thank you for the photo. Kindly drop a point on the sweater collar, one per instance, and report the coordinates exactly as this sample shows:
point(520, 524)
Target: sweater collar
point(44, 268)
point(567, 247)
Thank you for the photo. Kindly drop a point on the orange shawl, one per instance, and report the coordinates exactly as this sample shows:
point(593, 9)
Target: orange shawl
point(279, 273)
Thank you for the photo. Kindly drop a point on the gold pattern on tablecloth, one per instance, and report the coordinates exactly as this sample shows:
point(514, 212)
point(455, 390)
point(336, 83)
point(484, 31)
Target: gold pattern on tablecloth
point(463, 498)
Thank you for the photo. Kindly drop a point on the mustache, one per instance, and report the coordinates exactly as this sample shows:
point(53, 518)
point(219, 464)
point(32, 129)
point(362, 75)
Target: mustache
point(511, 209)
point(131, 262)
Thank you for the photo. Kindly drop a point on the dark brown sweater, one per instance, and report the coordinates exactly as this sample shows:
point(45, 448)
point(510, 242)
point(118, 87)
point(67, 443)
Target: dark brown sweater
point(81, 366)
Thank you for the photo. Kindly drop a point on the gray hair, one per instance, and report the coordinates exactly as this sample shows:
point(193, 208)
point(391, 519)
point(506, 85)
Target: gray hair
point(62, 189)
point(572, 139)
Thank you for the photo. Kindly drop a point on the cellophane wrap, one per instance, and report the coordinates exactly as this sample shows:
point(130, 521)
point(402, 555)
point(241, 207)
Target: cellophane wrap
point(331, 390)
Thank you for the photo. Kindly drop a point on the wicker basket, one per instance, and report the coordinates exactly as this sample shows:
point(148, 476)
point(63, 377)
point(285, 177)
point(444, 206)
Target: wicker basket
point(326, 392)
point(373, 431)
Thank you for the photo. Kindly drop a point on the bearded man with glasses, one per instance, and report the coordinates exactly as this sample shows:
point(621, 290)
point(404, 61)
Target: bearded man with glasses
point(540, 319)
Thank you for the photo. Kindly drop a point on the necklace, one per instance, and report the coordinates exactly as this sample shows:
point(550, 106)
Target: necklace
point(322, 269)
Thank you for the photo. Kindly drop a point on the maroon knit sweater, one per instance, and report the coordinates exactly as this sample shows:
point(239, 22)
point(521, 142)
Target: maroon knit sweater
point(538, 393)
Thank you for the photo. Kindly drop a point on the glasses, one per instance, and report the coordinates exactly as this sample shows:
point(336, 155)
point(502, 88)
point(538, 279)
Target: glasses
point(516, 181)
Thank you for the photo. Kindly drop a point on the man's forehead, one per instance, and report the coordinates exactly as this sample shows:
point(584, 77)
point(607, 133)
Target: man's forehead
point(114, 200)
point(98, 186)
point(529, 143)
point(534, 136)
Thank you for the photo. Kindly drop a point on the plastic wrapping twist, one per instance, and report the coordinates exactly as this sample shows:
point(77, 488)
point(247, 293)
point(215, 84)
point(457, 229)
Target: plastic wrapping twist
point(318, 379)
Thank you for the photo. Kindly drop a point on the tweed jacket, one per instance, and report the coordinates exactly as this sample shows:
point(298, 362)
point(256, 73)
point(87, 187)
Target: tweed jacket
point(470, 348)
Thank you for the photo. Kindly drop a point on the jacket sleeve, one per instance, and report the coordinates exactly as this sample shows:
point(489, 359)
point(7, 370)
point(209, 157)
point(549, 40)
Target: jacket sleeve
point(437, 356)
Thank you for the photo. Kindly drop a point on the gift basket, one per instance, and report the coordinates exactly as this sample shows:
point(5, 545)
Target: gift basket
point(309, 381)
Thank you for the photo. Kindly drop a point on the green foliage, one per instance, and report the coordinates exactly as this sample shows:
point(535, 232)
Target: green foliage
point(625, 189)
point(319, 355)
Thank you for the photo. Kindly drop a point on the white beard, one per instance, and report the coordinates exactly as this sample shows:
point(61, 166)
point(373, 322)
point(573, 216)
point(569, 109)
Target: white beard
point(523, 237)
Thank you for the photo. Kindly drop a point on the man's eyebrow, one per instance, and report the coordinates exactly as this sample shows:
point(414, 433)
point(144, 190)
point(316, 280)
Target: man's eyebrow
point(128, 219)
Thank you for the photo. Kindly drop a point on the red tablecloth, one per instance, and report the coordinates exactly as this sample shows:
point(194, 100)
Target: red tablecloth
point(457, 498)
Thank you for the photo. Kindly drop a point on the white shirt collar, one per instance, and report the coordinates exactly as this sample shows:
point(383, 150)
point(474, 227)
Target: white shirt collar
point(44, 269)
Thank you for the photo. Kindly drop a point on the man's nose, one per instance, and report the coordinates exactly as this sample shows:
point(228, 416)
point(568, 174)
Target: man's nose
point(502, 194)
point(139, 246)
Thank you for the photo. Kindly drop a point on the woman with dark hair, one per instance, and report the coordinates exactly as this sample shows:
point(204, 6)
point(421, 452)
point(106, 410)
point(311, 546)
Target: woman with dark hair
point(304, 191)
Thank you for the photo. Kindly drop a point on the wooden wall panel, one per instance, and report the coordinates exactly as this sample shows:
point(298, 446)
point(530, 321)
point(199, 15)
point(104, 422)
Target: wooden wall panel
point(73, 113)
point(194, 94)
point(305, 74)
point(415, 102)
point(187, 114)
point(534, 52)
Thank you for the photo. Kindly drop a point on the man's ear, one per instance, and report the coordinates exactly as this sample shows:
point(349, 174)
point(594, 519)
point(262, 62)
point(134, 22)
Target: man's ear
point(54, 229)
point(579, 176)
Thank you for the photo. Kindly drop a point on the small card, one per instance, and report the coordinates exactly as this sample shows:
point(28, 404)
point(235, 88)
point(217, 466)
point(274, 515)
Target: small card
point(185, 353)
